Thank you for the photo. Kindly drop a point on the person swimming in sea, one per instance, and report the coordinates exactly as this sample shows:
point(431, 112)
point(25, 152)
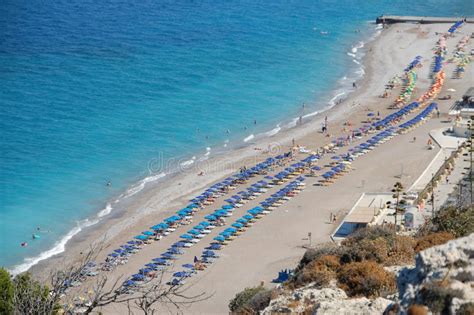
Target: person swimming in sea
point(24, 244)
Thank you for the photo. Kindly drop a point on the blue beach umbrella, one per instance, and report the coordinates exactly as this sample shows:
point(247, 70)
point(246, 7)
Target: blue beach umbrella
point(219, 238)
point(138, 277)
point(189, 266)
point(159, 261)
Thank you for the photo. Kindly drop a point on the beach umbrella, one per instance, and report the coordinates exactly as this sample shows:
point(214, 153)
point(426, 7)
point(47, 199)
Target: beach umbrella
point(174, 282)
point(242, 221)
point(179, 244)
point(189, 266)
point(168, 256)
point(151, 266)
point(175, 250)
point(214, 246)
point(172, 219)
point(248, 217)
point(129, 283)
point(231, 230)
point(336, 157)
point(159, 261)
point(194, 232)
point(145, 271)
point(198, 228)
point(114, 255)
point(149, 233)
point(210, 217)
point(181, 274)
point(138, 277)
point(238, 225)
point(219, 238)
point(186, 237)
point(209, 253)
point(141, 237)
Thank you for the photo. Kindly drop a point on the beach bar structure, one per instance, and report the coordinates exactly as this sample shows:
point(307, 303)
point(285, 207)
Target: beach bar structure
point(392, 19)
point(365, 212)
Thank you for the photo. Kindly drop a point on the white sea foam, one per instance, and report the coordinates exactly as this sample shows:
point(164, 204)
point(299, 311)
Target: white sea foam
point(57, 248)
point(292, 123)
point(311, 114)
point(351, 54)
point(332, 101)
point(247, 139)
point(141, 184)
point(105, 211)
point(208, 151)
point(188, 162)
point(273, 132)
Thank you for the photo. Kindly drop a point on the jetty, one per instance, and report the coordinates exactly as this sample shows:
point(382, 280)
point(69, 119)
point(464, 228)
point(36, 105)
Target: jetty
point(391, 19)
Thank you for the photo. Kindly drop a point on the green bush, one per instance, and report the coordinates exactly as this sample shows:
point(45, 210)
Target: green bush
point(366, 279)
point(370, 233)
point(466, 309)
point(259, 301)
point(457, 221)
point(438, 298)
point(238, 303)
point(6, 293)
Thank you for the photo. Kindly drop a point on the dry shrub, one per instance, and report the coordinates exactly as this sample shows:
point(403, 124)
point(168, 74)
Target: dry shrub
point(370, 233)
point(331, 262)
point(417, 310)
point(239, 302)
point(315, 253)
point(366, 278)
point(317, 273)
point(320, 271)
point(366, 249)
point(438, 298)
point(432, 239)
point(259, 301)
point(401, 251)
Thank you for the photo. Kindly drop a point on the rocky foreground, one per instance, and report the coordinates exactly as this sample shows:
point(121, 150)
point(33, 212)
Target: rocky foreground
point(442, 278)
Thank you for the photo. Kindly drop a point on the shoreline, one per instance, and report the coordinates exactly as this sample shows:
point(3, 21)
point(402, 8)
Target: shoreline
point(145, 188)
point(267, 248)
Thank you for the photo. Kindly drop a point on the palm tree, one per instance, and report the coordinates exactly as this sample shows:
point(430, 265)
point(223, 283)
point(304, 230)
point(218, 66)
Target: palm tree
point(397, 189)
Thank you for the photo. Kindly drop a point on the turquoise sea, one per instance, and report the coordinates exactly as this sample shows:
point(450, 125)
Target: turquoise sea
point(92, 91)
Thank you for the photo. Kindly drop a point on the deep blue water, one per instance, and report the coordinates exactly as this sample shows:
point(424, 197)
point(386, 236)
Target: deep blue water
point(92, 91)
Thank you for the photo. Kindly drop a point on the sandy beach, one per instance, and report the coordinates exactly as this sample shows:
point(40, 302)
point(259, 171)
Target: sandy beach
point(277, 241)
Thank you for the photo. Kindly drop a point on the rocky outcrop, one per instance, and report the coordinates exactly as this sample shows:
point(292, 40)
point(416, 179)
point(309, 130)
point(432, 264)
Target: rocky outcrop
point(330, 300)
point(443, 279)
point(303, 298)
point(353, 306)
point(447, 269)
